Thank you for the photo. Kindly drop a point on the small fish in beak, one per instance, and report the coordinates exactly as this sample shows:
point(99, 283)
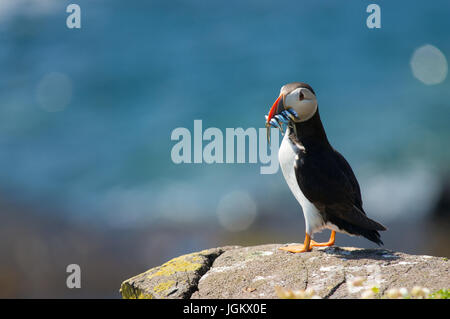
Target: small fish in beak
point(278, 120)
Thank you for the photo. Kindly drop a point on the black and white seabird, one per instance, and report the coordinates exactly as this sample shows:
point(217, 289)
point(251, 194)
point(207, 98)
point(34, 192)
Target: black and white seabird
point(320, 178)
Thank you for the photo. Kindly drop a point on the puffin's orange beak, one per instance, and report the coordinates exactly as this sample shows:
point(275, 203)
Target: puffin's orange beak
point(276, 108)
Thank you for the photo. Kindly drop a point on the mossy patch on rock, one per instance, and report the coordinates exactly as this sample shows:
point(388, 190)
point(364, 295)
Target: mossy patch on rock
point(130, 292)
point(164, 286)
point(190, 262)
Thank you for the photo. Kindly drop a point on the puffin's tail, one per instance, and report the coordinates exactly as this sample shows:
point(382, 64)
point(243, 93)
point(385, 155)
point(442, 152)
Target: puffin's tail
point(371, 232)
point(367, 228)
point(371, 235)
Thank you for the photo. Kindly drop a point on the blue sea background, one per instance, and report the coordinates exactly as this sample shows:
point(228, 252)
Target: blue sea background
point(101, 163)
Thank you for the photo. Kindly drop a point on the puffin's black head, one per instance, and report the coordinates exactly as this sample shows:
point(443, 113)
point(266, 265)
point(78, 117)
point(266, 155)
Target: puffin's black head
point(298, 99)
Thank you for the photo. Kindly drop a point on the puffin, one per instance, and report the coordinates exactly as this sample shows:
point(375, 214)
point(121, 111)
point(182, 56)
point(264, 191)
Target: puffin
point(318, 176)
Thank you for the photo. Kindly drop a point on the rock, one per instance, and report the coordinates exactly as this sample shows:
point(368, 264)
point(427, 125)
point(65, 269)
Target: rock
point(176, 279)
point(256, 272)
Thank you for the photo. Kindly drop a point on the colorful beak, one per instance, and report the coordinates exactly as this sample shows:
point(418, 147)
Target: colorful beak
point(276, 108)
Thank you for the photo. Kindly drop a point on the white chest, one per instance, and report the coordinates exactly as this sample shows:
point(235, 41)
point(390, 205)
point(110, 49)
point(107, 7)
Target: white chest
point(286, 157)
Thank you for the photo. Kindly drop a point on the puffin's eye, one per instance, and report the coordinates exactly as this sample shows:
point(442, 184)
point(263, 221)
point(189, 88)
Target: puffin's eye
point(301, 96)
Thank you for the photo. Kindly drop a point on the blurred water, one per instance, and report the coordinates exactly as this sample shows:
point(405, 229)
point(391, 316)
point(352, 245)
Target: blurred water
point(101, 151)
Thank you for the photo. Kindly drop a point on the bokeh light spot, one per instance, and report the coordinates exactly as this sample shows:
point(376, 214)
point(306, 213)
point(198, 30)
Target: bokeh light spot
point(236, 211)
point(429, 65)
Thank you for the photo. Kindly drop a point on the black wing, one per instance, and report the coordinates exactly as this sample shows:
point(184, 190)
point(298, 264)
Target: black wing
point(327, 180)
point(348, 172)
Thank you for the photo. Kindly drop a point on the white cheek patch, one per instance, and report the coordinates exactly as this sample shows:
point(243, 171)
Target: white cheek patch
point(291, 100)
point(304, 108)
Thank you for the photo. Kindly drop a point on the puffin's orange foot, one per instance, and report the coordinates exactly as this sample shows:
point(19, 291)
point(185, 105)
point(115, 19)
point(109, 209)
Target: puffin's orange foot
point(295, 248)
point(315, 244)
point(327, 244)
